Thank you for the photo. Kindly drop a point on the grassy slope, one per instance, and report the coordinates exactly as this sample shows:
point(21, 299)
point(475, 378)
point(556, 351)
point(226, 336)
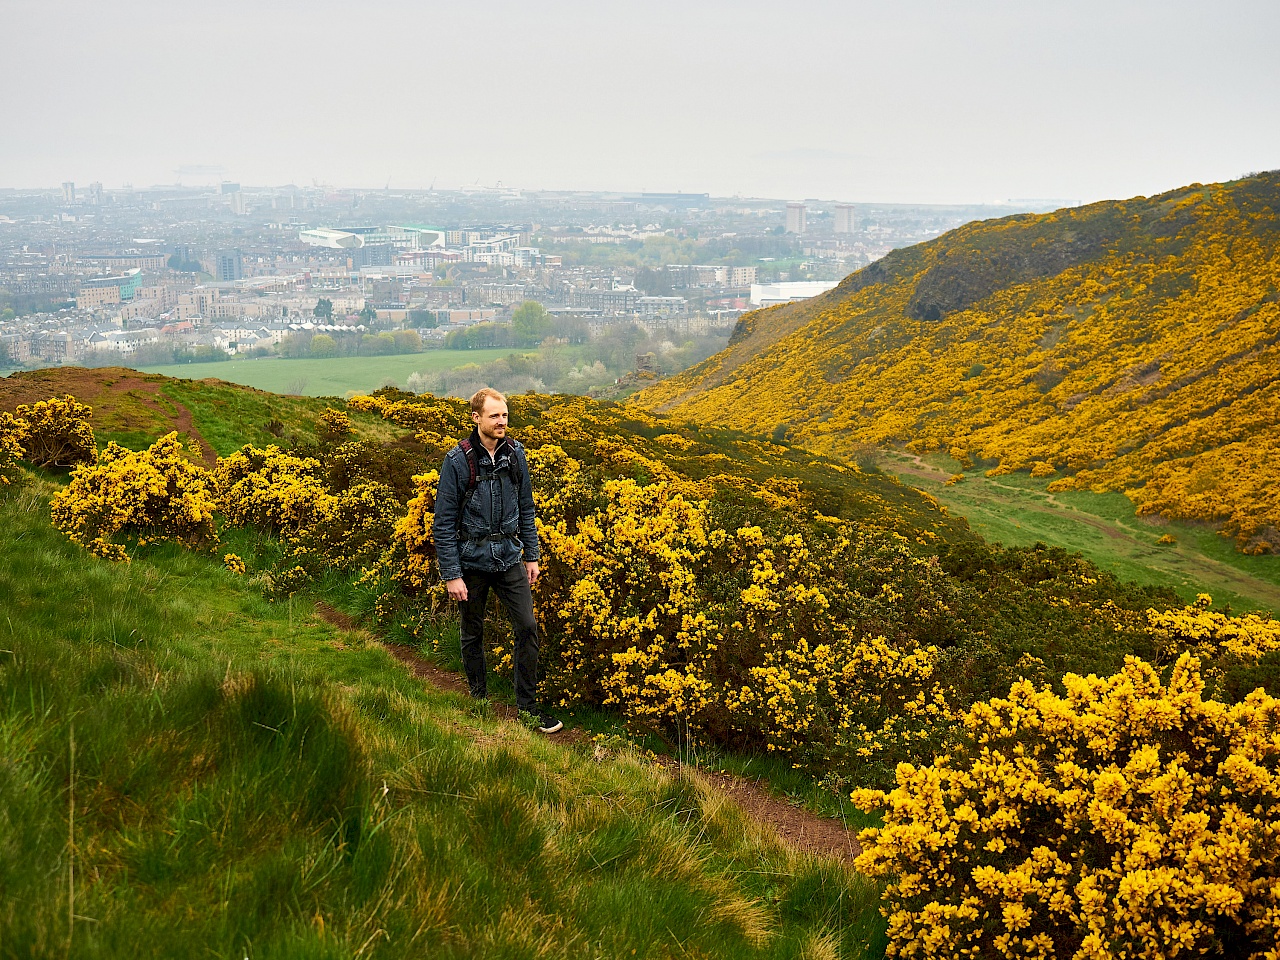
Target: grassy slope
point(1123, 344)
point(250, 782)
point(333, 377)
point(135, 408)
point(1017, 509)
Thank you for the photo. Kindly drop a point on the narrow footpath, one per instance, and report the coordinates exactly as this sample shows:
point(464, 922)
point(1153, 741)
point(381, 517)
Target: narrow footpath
point(797, 827)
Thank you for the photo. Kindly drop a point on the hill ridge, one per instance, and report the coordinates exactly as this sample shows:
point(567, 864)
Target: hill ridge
point(1127, 345)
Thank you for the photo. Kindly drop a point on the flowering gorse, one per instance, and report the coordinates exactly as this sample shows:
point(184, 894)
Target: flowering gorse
point(56, 432)
point(153, 494)
point(11, 450)
point(1124, 818)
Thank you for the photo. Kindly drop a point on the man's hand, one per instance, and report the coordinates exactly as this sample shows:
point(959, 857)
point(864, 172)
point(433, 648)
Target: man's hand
point(458, 589)
point(532, 570)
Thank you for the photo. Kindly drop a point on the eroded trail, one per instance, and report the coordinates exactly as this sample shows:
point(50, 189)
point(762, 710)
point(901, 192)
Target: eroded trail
point(1131, 541)
point(795, 826)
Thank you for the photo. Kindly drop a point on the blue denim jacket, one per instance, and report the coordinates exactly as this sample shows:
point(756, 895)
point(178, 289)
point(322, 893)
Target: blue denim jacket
point(496, 529)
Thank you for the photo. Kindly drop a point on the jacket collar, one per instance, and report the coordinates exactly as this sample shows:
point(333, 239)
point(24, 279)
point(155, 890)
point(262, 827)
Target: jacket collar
point(504, 445)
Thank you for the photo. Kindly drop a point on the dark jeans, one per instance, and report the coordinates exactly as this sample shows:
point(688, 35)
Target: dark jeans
point(512, 588)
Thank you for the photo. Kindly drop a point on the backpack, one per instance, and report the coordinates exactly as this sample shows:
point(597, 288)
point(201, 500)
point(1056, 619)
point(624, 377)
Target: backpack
point(472, 457)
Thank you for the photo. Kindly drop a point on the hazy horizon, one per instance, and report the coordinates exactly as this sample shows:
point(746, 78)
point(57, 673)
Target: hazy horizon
point(927, 102)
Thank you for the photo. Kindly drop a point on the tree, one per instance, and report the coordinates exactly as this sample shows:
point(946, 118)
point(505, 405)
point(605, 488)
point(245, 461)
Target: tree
point(653, 283)
point(324, 309)
point(323, 345)
point(368, 314)
point(372, 345)
point(407, 341)
point(423, 319)
point(530, 323)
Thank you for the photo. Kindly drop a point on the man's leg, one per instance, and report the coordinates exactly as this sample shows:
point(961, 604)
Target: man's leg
point(471, 629)
point(512, 586)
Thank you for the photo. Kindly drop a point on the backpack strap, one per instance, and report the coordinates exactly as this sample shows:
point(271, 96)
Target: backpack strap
point(472, 469)
point(473, 478)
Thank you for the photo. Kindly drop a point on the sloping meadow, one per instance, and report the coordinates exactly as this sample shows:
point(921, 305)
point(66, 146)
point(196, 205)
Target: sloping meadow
point(187, 769)
point(715, 587)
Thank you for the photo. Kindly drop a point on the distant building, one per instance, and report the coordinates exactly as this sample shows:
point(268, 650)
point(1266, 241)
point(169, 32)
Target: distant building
point(769, 294)
point(150, 262)
point(228, 266)
point(672, 201)
point(796, 218)
point(846, 218)
point(660, 308)
point(414, 236)
point(124, 342)
point(95, 194)
point(68, 192)
point(330, 238)
point(104, 291)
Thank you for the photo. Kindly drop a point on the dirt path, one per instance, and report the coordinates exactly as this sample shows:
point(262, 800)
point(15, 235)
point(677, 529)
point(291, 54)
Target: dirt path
point(798, 828)
point(146, 391)
point(99, 385)
point(1134, 541)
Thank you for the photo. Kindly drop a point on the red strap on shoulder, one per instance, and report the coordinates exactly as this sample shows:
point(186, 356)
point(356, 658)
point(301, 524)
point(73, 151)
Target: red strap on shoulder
point(469, 454)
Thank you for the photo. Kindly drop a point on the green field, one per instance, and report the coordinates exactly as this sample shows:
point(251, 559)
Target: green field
point(332, 377)
point(1017, 510)
point(188, 770)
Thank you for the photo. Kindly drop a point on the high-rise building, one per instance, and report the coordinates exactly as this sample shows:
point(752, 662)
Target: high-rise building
point(68, 192)
point(846, 218)
point(795, 218)
point(228, 266)
point(95, 193)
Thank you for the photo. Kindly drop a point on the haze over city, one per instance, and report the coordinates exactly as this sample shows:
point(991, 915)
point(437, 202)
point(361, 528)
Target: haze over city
point(924, 102)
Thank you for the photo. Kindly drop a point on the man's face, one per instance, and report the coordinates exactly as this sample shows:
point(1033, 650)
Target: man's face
point(492, 420)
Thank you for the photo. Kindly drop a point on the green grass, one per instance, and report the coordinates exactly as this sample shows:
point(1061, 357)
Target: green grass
point(229, 416)
point(208, 774)
point(331, 377)
point(1018, 510)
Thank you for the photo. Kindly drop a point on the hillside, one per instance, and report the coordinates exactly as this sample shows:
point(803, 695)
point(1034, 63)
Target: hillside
point(189, 770)
point(1122, 346)
point(196, 760)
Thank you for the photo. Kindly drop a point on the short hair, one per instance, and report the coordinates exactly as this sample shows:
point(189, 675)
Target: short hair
point(480, 396)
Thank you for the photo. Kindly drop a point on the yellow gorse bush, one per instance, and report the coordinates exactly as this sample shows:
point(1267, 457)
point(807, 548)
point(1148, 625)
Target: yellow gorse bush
point(270, 488)
point(1124, 818)
point(629, 621)
point(12, 430)
point(333, 425)
point(1215, 637)
point(153, 494)
point(56, 432)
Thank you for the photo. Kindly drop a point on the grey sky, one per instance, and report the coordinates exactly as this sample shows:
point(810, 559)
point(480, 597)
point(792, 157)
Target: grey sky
point(894, 101)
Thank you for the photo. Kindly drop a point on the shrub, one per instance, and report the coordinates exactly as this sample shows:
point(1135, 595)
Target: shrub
point(347, 530)
point(1126, 818)
point(333, 426)
point(269, 488)
point(155, 494)
point(1224, 644)
point(57, 432)
point(12, 431)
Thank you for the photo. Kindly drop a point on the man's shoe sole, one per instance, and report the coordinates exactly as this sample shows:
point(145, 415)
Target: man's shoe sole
point(556, 729)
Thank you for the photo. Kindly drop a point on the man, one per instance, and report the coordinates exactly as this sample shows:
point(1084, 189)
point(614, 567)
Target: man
point(486, 539)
